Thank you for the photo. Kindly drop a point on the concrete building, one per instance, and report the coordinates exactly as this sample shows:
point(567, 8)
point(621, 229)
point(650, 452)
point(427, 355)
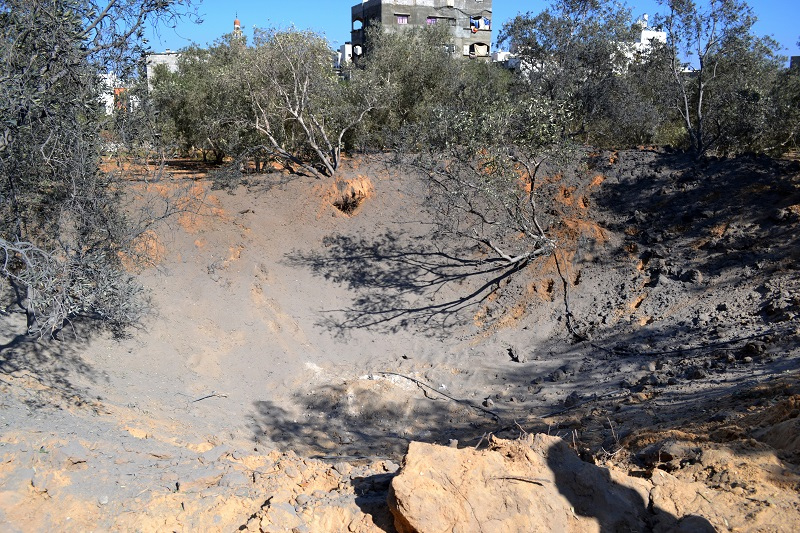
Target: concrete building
point(470, 21)
point(168, 58)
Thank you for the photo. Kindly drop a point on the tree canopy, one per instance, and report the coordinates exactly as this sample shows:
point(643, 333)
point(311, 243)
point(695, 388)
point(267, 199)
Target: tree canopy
point(63, 231)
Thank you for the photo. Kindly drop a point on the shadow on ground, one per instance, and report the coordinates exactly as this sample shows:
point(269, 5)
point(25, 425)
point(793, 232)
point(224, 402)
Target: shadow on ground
point(43, 370)
point(400, 282)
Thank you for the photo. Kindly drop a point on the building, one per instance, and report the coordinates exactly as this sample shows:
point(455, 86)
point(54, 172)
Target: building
point(470, 21)
point(168, 58)
point(646, 39)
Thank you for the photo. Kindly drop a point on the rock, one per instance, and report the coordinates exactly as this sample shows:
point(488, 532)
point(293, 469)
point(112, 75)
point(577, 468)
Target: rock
point(280, 517)
point(572, 400)
point(343, 468)
point(536, 484)
point(74, 454)
point(692, 276)
point(235, 478)
point(558, 375)
point(670, 453)
point(754, 348)
point(292, 471)
point(695, 372)
point(391, 467)
point(488, 403)
point(214, 454)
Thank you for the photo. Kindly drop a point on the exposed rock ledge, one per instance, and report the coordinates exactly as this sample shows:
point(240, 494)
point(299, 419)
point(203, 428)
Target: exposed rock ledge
point(536, 484)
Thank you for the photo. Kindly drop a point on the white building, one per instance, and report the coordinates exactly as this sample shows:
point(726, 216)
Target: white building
point(645, 41)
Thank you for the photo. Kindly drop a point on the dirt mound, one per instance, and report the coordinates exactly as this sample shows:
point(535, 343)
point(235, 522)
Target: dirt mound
point(779, 426)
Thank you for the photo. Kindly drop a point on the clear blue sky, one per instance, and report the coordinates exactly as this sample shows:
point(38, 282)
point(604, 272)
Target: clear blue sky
point(779, 18)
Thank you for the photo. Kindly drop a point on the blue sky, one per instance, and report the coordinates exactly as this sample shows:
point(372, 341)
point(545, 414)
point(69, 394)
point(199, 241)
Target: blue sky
point(779, 18)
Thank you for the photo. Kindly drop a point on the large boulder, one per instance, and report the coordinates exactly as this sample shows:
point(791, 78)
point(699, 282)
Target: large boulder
point(533, 484)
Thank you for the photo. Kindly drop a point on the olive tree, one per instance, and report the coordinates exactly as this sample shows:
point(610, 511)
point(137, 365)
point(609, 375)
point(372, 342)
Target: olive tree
point(574, 54)
point(482, 151)
point(414, 70)
point(719, 73)
point(205, 101)
point(301, 108)
point(64, 235)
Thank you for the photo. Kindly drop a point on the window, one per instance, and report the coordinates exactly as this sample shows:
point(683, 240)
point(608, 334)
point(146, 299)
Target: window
point(480, 23)
point(402, 19)
point(432, 20)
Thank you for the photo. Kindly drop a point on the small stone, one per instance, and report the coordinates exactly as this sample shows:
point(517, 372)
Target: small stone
point(214, 454)
point(343, 468)
point(453, 443)
point(695, 372)
point(572, 400)
point(103, 500)
point(391, 466)
point(302, 499)
point(488, 402)
point(692, 276)
point(292, 471)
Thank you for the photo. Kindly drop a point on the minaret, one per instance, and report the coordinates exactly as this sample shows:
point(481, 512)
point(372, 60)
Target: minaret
point(237, 26)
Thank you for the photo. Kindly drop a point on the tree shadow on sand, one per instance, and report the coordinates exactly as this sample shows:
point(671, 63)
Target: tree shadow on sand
point(41, 371)
point(402, 282)
point(367, 418)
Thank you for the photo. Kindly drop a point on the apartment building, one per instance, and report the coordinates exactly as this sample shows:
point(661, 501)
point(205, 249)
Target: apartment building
point(470, 21)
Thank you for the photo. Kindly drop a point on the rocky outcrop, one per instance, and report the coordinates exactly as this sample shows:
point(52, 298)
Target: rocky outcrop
point(533, 484)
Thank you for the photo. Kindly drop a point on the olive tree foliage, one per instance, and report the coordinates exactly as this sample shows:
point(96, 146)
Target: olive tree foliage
point(301, 109)
point(784, 117)
point(574, 53)
point(719, 74)
point(414, 71)
point(63, 232)
point(204, 103)
point(482, 150)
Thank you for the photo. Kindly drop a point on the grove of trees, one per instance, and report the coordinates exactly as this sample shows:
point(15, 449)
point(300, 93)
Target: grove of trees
point(480, 132)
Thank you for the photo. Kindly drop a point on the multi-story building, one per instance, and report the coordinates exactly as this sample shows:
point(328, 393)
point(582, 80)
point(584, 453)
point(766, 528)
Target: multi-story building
point(168, 58)
point(470, 21)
